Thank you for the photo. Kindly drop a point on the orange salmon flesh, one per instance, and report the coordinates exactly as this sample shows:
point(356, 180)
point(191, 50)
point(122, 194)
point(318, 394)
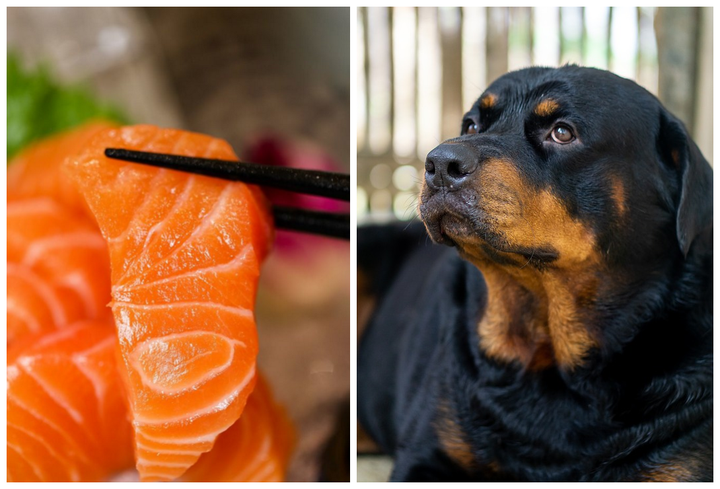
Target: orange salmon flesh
point(131, 325)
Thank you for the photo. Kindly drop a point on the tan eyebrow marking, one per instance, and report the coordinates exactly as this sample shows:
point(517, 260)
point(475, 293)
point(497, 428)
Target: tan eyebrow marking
point(488, 101)
point(617, 193)
point(546, 107)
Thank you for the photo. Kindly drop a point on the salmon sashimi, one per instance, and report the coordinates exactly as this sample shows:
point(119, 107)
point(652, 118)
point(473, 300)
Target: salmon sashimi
point(58, 268)
point(37, 170)
point(256, 448)
point(66, 412)
point(185, 254)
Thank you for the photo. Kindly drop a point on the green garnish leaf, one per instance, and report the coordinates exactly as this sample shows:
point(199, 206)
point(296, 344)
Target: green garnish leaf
point(38, 106)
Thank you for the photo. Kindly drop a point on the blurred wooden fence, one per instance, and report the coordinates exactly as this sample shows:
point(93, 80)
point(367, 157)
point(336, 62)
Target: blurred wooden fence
point(422, 68)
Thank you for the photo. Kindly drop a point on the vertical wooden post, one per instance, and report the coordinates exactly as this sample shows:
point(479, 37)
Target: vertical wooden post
point(677, 31)
point(366, 75)
point(450, 21)
point(497, 42)
point(583, 37)
point(563, 41)
point(608, 38)
point(520, 37)
point(416, 75)
point(703, 123)
point(391, 54)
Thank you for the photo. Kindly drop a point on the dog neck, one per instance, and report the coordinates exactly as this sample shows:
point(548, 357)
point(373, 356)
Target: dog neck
point(537, 318)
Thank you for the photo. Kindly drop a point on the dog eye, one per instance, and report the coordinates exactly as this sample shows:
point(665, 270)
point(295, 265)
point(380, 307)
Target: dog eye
point(471, 128)
point(562, 134)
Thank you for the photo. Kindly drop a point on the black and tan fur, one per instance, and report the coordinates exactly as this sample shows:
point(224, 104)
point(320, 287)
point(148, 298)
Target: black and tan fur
point(565, 332)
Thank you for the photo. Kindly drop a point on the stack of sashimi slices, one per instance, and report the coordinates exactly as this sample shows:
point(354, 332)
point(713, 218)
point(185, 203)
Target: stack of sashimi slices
point(131, 337)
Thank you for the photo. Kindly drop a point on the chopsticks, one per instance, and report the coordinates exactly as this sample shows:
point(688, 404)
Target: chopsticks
point(311, 182)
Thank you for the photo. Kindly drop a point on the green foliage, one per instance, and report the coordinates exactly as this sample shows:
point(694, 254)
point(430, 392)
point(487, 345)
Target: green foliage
point(37, 106)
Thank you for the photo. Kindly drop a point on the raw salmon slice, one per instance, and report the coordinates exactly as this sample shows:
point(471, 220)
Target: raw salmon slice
point(185, 255)
point(66, 413)
point(37, 170)
point(58, 268)
point(256, 448)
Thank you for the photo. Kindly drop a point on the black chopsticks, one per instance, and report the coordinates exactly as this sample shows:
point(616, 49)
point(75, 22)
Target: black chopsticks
point(311, 182)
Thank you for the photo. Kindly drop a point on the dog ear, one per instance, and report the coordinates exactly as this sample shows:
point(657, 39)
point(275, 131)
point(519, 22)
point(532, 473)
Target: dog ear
point(695, 204)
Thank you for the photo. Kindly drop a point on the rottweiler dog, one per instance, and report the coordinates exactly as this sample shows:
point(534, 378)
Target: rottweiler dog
point(565, 331)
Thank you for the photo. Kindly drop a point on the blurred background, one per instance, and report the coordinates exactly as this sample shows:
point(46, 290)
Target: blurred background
point(274, 82)
point(420, 70)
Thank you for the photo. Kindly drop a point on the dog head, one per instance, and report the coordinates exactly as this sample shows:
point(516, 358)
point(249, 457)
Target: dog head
point(563, 168)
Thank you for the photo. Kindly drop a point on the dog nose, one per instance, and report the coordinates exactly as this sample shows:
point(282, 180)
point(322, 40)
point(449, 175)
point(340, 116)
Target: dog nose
point(449, 165)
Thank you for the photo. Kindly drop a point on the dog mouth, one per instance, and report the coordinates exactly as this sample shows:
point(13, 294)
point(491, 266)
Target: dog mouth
point(451, 228)
point(476, 235)
point(448, 226)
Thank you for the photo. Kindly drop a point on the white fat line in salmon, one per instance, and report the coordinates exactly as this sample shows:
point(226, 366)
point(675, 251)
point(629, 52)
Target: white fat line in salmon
point(120, 292)
point(193, 440)
point(25, 315)
point(179, 201)
point(164, 475)
point(79, 359)
point(206, 221)
point(138, 211)
point(139, 421)
point(261, 475)
point(67, 462)
point(240, 311)
point(158, 463)
point(57, 311)
point(26, 365)
point(41, 247)
point(134, 360)
point(90, 370)
point(89, 295)
point(181, 451)
point(33, 466)
point(210, 151)
point(33, 206)
point(97, 347)
point(42, 420)
point(55, 336)
point(100, 386)
point(260, 454)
